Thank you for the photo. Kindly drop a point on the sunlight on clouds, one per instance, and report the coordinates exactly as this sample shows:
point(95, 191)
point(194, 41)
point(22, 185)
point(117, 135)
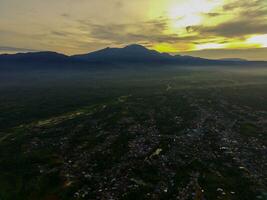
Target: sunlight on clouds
point(190, 12)
point(209, 46)
point(182, 13)
point(260, 40)
point(253, 42)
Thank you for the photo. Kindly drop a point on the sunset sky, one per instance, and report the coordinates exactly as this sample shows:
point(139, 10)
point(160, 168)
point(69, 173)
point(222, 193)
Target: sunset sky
point(206, 28)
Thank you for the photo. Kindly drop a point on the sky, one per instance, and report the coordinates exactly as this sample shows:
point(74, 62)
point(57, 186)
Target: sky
point(205, 28)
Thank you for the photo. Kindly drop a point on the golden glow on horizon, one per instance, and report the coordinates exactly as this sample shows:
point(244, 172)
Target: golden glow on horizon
point(171, 48)
point(190, 12)
point(209, 46)
point(164, 48)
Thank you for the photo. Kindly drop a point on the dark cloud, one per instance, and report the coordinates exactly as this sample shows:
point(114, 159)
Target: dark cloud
point(152, 31)
point(237, 4)
point(252, 9)
point(119, 4)
point(15, 49)
point(213, 14)
point(58, 33)
point(65, 15)
point(239, 29)
point(256, 14)
point(190, 29)
point(250, 18)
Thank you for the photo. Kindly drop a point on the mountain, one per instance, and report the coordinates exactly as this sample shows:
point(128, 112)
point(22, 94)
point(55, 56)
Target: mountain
point(34, 60)
point(136, 54)
point(45, 56)
point(132, 54)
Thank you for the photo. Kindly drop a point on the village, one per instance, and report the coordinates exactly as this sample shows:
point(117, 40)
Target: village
point(129, 159)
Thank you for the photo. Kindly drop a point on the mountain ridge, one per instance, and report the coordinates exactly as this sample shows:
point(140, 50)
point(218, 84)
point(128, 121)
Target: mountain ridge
point(131, 54)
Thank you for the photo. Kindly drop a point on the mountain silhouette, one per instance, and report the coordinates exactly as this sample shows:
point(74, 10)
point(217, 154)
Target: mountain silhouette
point(131, 54)
point(46, 56)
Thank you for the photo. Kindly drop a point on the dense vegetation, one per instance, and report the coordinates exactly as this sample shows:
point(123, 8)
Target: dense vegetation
point(151, 133)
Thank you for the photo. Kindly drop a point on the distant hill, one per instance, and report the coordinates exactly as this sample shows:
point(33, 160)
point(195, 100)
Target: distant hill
point(234, 59)
point(45, 56)
point(132, 54)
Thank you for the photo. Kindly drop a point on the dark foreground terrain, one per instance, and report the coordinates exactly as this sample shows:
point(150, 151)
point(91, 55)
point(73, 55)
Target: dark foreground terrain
point(166, 133)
